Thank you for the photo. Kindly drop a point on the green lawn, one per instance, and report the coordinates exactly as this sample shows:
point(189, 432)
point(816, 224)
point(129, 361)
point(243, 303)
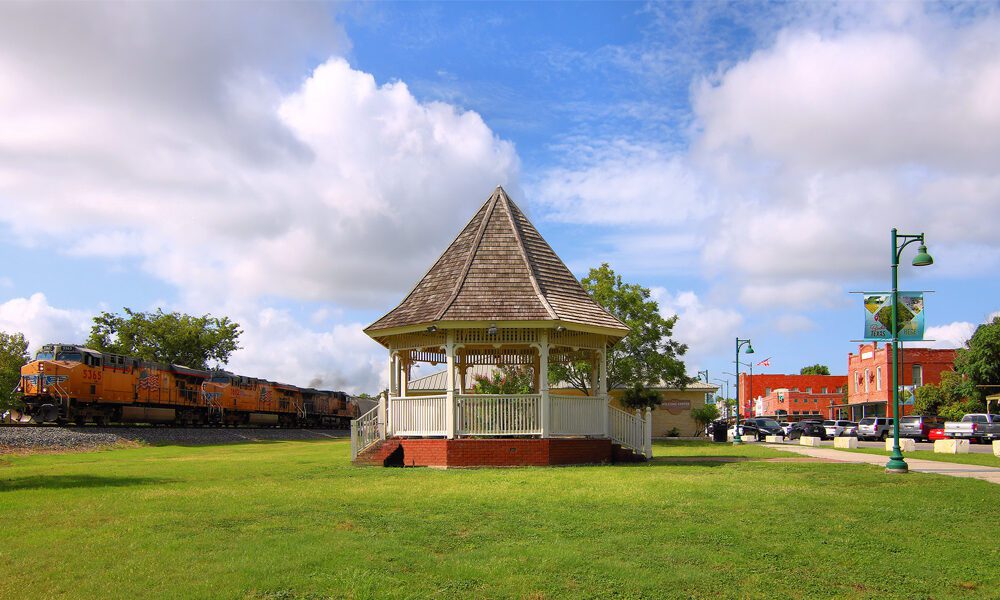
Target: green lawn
point(295, 520)
point(972, 458)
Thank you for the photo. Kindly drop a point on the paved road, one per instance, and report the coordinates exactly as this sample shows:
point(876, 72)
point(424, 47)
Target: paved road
point(990, 474)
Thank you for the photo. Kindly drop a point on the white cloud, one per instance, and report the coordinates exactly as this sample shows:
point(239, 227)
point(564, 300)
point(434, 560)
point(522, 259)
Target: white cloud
point(707, 330)
point(832, 139)
point(790, 324)
point(276, 346)
point(622, 184)
point(797, 294)
point(41, 323)
point(221, 177)
point(951, 335)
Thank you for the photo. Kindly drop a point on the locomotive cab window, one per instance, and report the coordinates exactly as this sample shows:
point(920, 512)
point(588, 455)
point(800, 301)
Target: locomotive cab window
point(45, 355)
point(70, 356)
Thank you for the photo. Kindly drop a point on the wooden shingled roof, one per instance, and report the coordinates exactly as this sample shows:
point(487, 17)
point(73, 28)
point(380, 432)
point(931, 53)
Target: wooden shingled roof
point(498, 269)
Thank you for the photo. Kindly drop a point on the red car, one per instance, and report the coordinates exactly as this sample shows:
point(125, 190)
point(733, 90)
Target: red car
point(936, 434)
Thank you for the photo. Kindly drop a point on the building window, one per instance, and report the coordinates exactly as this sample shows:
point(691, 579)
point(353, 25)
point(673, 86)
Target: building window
point(809, 390)
point(857, 382)
point(878, 377)
point(918, 375)
point(824, 390)
point(767, 391)
point(867, 375)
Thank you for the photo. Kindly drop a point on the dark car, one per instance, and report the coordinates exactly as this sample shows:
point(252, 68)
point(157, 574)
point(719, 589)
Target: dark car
point(808, 428)
point(918, 427)
point(764, 427)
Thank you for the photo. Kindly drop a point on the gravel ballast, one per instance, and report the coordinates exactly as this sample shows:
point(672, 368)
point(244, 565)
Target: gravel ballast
point(81, 438)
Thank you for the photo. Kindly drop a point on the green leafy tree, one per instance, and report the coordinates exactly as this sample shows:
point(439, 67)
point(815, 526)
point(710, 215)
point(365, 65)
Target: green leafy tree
point(954, 395)
point(639, 397)
point(166, 337)
point(816, 369)
point(508, 379)
point(980, 359)
point(13, 356)
point(703, 415)
point(647, 356)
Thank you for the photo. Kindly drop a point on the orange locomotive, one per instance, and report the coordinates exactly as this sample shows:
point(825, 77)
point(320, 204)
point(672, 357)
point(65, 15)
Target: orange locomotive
point(71, 383)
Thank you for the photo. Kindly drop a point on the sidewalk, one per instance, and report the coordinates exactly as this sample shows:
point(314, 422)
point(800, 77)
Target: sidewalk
point(990, 474)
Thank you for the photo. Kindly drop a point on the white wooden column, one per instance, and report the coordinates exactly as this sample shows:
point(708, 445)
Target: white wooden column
point(647, 434)
point(595, 366)
point(543, 379)
point(392, 373)
point(602, 389)
point(404, 375)
point(449, 350)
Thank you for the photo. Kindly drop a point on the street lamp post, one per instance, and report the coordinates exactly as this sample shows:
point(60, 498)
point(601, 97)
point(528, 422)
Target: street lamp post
point(739, 344)
point(896, 463)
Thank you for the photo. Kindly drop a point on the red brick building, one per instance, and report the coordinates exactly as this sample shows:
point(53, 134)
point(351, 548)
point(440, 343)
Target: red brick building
point(785, 404)
point(767, 384)
point(869, 378)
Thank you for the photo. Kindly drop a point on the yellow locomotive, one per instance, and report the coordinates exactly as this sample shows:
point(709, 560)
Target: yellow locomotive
point(69, 383)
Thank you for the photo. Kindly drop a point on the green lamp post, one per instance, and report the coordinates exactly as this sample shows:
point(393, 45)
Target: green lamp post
point(705, 373)
point(896, 463)
point(739, 344)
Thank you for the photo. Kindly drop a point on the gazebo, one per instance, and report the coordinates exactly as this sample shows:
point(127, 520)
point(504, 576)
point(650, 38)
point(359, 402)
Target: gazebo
point(498, 296)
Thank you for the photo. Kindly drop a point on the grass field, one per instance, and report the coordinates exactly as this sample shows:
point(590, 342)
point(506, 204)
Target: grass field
point(972, 458)
point(295, 520)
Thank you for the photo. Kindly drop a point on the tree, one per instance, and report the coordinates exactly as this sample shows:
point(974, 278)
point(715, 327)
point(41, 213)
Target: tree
point(640, 397)
point(816, 369)
point(704, 415)
point(954, 396)
point(166, 337)
point(980, 359)
point(508, 379)
point(647, 356)
point(13, 356)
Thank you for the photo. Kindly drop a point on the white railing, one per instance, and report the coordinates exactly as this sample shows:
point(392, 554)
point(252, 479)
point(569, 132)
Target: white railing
point(497, 414)
point(578, 415)
point(366, 430)
point(632, 431)
point(418, 415)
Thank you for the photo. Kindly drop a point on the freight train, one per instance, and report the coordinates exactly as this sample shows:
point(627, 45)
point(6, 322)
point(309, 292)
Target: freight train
point(67, 383)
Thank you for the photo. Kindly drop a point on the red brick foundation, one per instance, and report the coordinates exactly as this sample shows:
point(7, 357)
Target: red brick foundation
point(496, 452)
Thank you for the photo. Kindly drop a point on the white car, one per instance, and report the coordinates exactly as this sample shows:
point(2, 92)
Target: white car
point(836, 427)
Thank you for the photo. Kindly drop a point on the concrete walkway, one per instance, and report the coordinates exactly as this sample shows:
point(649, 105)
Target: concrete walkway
point(990, 474)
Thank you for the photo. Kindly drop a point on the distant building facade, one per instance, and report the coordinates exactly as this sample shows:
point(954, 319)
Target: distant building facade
point(869, 374)
point(795, 405)
point(764, 385)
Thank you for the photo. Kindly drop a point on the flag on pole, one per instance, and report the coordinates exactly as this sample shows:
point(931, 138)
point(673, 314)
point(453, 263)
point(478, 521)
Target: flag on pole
point(765, 363)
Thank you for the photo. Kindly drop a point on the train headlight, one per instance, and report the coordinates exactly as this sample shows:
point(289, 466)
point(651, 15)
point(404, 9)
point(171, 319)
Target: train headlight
point(41, 367)
point(45, 390)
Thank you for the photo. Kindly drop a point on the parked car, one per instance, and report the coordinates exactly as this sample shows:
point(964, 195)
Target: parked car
point(850, 430)
point(785, 426)
point(974, 427)
point(918, 427)
point(836, 427)
point(936, 434)
point(765, 427)
point(807, 428)
point(874, 428)
point(747, 431)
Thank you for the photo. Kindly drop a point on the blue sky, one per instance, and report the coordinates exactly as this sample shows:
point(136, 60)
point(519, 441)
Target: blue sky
point(299, 166)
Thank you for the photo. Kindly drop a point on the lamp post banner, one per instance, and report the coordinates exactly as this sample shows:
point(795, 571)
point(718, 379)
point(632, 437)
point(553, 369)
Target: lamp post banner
point(878, 316)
